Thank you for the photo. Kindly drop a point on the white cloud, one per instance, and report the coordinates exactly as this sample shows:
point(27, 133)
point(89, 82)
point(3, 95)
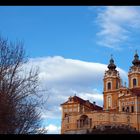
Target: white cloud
point(116, 24)
point(60, 72)
point(97, 97)
point(65, 77)
point(53, 129)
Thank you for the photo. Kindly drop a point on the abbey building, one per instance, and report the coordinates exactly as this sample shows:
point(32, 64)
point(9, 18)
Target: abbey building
point(121, 104)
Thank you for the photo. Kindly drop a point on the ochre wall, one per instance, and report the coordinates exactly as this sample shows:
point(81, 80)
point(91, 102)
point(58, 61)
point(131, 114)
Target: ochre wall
point(103, 118)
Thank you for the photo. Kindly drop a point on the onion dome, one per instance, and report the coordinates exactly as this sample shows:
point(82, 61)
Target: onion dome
point(111, 66)
point(136, 60)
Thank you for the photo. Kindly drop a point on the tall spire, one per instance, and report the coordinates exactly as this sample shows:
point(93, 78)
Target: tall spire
point(112, 66)
point(136, 60)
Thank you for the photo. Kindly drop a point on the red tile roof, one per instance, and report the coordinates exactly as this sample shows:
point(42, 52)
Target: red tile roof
point(81, 101)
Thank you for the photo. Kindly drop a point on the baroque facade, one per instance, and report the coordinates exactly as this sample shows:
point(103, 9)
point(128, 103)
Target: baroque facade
point(121, 104)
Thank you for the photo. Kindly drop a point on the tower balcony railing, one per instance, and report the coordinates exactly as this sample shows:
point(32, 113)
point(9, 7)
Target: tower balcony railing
point(107, 74)
point(134, 69)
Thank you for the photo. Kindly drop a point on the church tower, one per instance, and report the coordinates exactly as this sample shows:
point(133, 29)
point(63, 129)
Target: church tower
point(134, 73)
point(112, 83)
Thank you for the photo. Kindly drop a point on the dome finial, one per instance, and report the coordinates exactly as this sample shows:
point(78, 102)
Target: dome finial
point(136, 60)
point(112, 66)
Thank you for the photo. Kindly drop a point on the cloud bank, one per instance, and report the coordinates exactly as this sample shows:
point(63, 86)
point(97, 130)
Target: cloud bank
point(66, 77)
point(53, 129)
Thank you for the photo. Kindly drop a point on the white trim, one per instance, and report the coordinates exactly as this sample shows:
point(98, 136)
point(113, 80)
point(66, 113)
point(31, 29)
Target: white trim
point(78, 108)
point(120, 106)
point(107, 101)
point(83, 108)
point(136, 104)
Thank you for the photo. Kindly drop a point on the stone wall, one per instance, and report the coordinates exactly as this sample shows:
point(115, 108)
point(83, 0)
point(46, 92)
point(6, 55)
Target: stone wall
point(102, 118)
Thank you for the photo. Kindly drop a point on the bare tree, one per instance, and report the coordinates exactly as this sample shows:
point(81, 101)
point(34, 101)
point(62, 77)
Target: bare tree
point(18, 87)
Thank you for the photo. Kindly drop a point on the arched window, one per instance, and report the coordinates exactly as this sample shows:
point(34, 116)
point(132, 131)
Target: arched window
point(67, 118)
point(84, 121)
point(134, 82)
point(109, 101)
point(127, 109)
point(109, 85)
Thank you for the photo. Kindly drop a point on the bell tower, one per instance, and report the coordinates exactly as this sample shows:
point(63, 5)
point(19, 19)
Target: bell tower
point(112, 83)
point(134, 73)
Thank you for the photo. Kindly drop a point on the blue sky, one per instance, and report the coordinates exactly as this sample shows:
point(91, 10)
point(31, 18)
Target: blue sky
point(68, 31)
point(72, 46)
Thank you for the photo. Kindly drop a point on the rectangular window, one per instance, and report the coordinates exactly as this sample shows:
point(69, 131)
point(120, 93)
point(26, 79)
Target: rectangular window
point(77, 123)
point(90, 122)
point(132, 109)
point(127, 109)
point(123, 109)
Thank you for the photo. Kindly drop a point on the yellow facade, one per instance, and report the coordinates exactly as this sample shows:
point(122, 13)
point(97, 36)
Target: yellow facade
point(121, 104)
